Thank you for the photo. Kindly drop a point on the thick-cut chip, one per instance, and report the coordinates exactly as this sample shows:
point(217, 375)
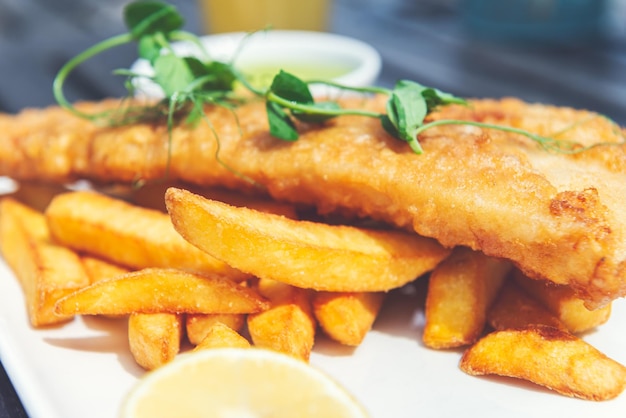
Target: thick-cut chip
point(46, 272)
point(460, 291)
point(289, 325)
point(153, 196)
point(549, 357)
point(303, 254)
point(154, 339)
point(126, 234)
point(515, 309)
point(220, 335)
point(162, 290)
point(347, 317)
point(286, 328)
point(199, 325)
point(98, 269)
point(563, 303)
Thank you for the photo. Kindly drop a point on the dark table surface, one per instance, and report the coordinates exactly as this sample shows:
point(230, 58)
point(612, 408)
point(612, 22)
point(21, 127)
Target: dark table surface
point(421, 40)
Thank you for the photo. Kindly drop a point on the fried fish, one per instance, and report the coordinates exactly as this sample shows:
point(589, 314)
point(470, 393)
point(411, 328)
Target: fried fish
point(556, 216)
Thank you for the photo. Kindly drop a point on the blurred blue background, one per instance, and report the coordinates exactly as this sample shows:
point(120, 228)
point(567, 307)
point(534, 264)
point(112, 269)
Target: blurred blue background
point(529, 21)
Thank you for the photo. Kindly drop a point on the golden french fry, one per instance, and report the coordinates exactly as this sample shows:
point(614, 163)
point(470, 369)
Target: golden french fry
point(303, 254)
point(126, 234)
point(460, 291)
point(515, 309)
point(549, 357)
point(288, 325)
point(46, 271)
point(162, 290)
point(220, 335)
point(98, 269)
point(199, 325)
point(154, 339)
point(153, 196)
point(32, 221)
point(562, 302)
point(347, 317)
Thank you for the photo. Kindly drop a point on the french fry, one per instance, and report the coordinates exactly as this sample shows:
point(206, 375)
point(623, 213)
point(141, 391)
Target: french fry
point(303, 254)
point(460, 291)
point(288, 326)
point(32, 222)
point(515, 309)
point(46, 271)
point(162, 290)
point(126, 234)
point(562, 302)
point(98, 269)
point(548, 357)
point(153, 196)
point(220, 335)
point(154, 339)
point(199, 325)
point(347, 317)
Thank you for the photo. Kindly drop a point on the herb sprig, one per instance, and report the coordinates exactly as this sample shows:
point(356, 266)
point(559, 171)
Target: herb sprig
point(190, 82)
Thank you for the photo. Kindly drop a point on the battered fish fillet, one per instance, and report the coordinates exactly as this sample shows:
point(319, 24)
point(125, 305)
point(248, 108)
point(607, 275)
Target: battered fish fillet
point(557, 217)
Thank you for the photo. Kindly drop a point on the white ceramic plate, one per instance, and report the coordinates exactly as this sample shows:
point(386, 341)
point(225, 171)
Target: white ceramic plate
point(84, 369)
point(354, 62)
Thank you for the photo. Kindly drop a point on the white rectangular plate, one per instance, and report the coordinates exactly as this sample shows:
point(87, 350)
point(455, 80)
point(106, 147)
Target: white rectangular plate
point(84, 368)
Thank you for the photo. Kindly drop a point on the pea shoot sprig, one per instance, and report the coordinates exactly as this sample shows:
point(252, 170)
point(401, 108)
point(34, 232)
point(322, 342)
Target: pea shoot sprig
point(190, 82)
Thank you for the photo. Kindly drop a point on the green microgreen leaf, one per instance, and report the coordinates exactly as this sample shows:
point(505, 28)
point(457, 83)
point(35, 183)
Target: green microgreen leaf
point(291, 88)
point(408, 106)
point(217, 76)
point(406, 110)
point(149, 48)
point(281, 125)
point(286, 89)
point(435, 98)
point(149, 17)
point(172, 74)
point(293, 93)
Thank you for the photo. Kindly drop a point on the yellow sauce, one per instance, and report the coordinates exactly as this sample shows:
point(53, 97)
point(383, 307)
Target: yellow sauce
point(261, 75)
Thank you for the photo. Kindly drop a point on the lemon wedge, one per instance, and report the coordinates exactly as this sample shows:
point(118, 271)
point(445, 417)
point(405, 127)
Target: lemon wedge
point(239, 383)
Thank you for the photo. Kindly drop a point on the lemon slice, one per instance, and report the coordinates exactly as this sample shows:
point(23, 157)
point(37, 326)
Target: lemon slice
point(239, 383)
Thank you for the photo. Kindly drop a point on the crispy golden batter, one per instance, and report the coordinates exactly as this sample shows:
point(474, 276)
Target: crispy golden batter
point(557, 217)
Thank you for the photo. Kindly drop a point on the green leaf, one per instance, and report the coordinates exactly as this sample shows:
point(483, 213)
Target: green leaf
point(215, 75)
point(149, 17)
point(172, 74)
point(149, 48)
point(281, 125)
point(407, 109)
point(433, 97)
point(436, 98)
point(389, 126)
point(312, 116)
point(408, 106)
point(291, 88)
